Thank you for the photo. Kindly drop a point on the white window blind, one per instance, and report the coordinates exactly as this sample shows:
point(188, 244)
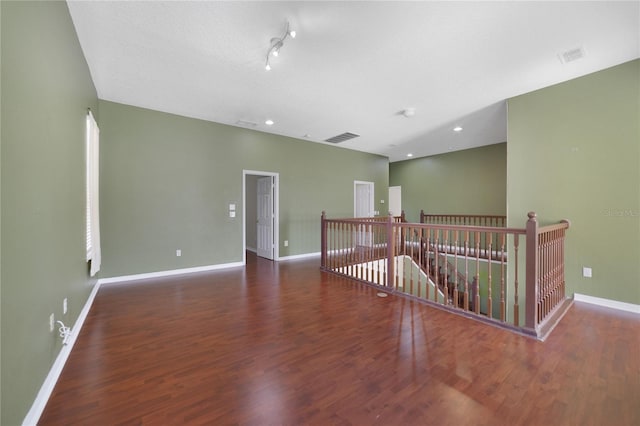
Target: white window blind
point(93, 196)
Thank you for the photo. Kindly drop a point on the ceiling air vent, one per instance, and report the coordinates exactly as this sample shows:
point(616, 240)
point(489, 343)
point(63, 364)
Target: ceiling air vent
point(341, 138)
point(245, 123)
point(572, 55)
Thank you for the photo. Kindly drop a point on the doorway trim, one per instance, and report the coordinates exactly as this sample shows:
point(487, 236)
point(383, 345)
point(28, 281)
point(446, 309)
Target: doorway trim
point(276, 212)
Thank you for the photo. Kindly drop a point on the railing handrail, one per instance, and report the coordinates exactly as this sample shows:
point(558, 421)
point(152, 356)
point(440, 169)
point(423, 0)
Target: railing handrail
point(470, 228)
point(563, 224)
point(496, 216)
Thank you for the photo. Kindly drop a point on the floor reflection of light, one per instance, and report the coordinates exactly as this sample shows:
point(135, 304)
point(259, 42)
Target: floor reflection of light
point(266, 395)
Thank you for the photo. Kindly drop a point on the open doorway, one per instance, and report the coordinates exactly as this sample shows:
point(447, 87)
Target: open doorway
point(260, 217)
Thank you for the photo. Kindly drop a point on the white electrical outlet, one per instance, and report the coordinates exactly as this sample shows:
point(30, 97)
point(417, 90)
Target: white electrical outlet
point(178, 252)
point(286, 243)
point(52, 322)
point(64, 306)
point(586, 272)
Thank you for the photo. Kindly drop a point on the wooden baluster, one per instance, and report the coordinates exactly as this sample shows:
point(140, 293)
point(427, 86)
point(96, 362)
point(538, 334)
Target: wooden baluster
point(390, 252)
point(337, 241)
point(334, 255)
point(339, 244)
point(445, 277)
point(503, 306)
point(338, 248)
point(516, 306)
point(436, 264)
point(420, 255)
point(544, 276)
point(351, 246)
point(427, 260)
point(323, 241)
point(466, 270)
point(409, 252)
point(476, 302)
point(455, 269)
point(330, 252)
point(489, 238)
point(349, 255)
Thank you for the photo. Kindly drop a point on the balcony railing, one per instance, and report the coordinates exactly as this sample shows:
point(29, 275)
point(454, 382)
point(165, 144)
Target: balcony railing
point(473, 270)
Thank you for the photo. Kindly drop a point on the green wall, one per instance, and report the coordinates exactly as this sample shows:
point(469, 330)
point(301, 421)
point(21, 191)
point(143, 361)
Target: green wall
point(472, 181)
point(167, 181)
point(574, 152)
point(46, 89)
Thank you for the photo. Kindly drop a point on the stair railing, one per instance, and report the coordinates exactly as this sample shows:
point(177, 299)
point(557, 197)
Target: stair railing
point(475, 256)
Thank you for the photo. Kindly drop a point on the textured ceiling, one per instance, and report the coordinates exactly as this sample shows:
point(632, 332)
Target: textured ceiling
point(353, 65)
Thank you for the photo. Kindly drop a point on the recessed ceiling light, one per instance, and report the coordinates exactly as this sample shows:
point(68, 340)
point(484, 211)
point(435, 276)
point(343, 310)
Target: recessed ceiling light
point(409, 155)
point(409, 112)
point(269, 122)
point(457, 129)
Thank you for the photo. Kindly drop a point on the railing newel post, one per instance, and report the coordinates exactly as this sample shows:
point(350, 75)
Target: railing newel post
point(531, 282)
point(391, 276)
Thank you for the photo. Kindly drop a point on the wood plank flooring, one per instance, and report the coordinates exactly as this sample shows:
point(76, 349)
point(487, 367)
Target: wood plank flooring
point(285, 344)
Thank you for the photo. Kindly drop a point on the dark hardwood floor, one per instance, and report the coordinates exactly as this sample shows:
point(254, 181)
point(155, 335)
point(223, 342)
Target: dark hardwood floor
point(283, 343)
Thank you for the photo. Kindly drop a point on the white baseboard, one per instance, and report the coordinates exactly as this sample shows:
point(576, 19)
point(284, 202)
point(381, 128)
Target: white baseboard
point(252, 250)
point(169, 273)
point(34, 413)
point(607, 303)
point(300, 256)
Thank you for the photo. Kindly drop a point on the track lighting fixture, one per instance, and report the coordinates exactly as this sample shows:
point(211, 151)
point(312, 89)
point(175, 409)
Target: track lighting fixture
point(276, 45)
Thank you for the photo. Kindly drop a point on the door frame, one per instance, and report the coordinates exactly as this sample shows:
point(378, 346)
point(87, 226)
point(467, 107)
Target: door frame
point(276, 211)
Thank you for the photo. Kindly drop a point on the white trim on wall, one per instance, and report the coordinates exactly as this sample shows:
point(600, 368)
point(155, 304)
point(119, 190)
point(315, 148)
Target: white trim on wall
point(301, 256)
point(607, 303)
point(160, 274)
point(34, 413)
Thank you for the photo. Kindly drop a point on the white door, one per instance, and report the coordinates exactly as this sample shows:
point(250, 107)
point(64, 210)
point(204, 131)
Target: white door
point(363, 199)
point(265, 217)
point(363, 207)
point(395, 200)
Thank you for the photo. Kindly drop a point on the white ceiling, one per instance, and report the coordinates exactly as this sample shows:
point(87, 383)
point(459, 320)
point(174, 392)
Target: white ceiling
point(353, 65)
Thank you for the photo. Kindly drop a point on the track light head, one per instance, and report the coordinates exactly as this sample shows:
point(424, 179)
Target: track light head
point(276, 45)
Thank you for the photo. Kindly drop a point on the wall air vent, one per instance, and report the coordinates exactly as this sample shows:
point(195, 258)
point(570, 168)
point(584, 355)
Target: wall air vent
point(341, 138)
point(572, 55)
